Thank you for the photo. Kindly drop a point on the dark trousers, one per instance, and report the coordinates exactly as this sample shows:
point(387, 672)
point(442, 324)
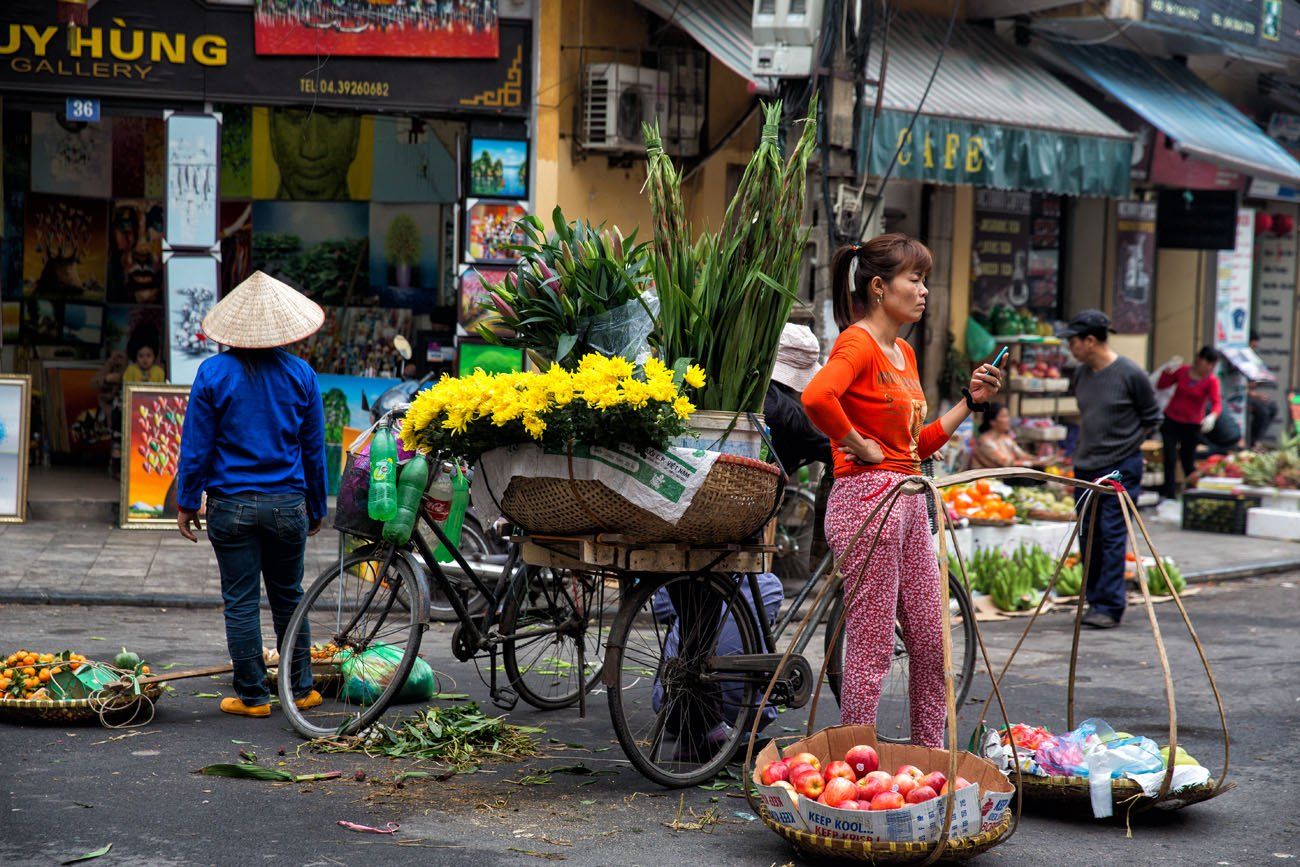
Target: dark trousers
point(260, 537)
point(1181, 440)
point(1105, 542)
point(1262, 411)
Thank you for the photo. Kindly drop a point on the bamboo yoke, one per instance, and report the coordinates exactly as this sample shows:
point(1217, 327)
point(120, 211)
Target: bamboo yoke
point(914, 485)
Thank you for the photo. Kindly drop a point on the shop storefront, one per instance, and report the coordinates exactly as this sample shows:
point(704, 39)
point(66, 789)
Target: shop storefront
point(374, 173)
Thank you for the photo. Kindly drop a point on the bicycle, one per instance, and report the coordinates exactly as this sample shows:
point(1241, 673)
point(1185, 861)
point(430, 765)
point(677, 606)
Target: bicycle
point(688, 655)
point(547, 623)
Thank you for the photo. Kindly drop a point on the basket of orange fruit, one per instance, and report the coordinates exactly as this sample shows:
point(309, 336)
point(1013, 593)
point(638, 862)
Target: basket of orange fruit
point(67, 687)
point(981, 503)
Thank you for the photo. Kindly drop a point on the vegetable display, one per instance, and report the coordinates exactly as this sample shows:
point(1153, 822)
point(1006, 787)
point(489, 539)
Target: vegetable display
point(1156, 580)
point(1027, 500)
point(978, 500)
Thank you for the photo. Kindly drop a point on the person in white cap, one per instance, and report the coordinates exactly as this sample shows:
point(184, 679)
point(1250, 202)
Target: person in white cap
point(254, 442)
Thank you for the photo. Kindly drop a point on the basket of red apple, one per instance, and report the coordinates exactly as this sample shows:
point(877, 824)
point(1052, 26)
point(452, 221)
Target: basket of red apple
point(842, 793)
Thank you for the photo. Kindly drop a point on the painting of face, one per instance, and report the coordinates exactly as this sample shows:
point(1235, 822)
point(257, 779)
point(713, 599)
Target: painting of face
point(314, 150)
point(135, 271)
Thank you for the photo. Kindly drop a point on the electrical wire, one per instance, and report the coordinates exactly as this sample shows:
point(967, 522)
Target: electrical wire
point(907, 132)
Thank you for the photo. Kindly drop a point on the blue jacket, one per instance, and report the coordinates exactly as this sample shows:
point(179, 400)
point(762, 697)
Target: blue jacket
point(263, 434)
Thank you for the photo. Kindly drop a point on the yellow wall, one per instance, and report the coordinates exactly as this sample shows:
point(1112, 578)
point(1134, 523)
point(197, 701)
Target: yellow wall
point(594, 187)
point(963, 233)
point(1181, 298)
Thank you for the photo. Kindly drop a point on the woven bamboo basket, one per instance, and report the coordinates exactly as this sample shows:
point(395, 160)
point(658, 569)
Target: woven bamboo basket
point(956, 849)
point(1127, 797)
point(113, 711)
point(736, 500)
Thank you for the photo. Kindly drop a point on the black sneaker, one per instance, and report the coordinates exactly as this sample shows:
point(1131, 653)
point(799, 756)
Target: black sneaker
point(1098, 620)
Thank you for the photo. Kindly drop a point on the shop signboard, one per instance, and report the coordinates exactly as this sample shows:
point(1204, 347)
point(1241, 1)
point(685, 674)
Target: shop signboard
point(1000, 249)
point(1273, 25)
point(1284, 128)
point(194, 52)
point(1276, 297)
point(1232, 285)
point(1135, 265)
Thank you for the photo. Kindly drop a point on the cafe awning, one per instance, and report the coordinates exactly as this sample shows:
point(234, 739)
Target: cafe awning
point(722, 27)
point(993, 118)
point(1171, 98)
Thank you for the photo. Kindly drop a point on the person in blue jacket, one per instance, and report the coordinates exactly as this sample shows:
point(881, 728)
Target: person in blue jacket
point(254, 443)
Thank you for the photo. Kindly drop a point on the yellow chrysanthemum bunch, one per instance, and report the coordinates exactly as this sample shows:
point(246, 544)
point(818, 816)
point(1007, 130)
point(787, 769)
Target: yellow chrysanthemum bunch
point(604, 401)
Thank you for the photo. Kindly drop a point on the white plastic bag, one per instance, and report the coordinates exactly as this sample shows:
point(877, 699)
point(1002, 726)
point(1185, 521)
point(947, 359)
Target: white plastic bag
point(1164, 395)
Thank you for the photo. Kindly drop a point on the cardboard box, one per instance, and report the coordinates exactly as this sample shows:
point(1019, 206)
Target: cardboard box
point(981, 805)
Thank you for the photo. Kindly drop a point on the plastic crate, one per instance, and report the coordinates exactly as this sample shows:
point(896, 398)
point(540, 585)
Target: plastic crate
point(1217, 512)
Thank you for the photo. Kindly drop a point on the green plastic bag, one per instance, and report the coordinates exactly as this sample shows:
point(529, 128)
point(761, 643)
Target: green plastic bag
point(367, 674)
point(979, 343)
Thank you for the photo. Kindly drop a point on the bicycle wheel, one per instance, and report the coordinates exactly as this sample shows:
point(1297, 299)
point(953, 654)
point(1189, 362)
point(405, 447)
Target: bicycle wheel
point(548, 611)
point(794, 538)
point(893, 720)
point(476, 548)
point(678, 721)
point(350, 609)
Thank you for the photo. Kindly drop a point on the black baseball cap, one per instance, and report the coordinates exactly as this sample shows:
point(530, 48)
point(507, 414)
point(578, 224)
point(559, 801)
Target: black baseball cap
point(1083, 322)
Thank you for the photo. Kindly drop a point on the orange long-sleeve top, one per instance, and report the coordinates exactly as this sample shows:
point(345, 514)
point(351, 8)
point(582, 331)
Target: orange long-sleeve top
point(861, 389)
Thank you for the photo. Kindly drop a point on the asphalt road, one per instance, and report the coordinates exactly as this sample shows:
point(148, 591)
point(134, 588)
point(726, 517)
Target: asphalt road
point(69, 791)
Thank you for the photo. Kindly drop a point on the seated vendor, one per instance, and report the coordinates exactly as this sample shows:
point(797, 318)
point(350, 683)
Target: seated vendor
point(996, 445)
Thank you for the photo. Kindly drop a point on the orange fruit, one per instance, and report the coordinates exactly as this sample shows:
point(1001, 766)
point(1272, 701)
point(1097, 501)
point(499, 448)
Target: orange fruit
point(8, 672)
point(44, 676)
point(4, 682)
point(58, 669)
point(31, 683)
point(29, 659)
point(144, 669)
point(46, 657)
point(29, 671)
point(982, 487)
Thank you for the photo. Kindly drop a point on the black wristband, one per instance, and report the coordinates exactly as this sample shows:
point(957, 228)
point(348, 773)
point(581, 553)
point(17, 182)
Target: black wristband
point(971, 404)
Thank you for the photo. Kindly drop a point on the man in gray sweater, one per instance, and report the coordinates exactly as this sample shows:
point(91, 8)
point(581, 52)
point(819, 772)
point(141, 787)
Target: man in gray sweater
point(1118, 411)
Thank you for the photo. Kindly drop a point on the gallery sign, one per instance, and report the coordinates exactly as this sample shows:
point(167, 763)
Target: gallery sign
point(1273, 25)
point(187, 50)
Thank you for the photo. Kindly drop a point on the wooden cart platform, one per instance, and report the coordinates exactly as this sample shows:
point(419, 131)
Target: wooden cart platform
point(618, 554)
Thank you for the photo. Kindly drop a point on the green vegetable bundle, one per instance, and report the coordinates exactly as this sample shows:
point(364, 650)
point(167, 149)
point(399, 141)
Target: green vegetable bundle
point(724, 298)
point(1156, 581)
point(1040, 564)
point(1071, 581)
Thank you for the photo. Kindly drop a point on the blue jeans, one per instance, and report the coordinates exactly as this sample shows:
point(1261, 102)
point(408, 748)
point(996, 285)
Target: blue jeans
point(260, 537)
point(1109, 540)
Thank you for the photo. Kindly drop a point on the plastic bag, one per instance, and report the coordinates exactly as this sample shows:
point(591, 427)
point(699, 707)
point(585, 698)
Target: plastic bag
point(624, 330)
point(367, 674)
point(979, 343)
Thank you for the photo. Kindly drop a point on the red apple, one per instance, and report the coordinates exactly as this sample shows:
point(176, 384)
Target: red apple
point(805, 757)
point(809, 784)
point(921, 794)
point(840, 769)
point(935, 780)
point(795, 769)
point(839, 790)
point(821, 799)
point(862, 759)
point(873, 784)
point(887, 801)
point(959, 784)
point(850, 805)
point(903, 783)
point(911, 770)
point(785, 784)
point(775, 771)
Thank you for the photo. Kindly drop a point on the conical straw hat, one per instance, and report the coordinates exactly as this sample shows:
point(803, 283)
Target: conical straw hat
point(262, 312)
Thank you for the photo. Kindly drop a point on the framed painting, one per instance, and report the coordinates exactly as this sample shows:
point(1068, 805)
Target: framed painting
point(491, 229)
point(191, 210)
point(153, 416)
point(193, 284)
point(498, 167)
point(15, 424)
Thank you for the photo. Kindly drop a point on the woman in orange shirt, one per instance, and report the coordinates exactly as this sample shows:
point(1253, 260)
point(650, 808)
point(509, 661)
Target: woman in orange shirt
point(868, 400)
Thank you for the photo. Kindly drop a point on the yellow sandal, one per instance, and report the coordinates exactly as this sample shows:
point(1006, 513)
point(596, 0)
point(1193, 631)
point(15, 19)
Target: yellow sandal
point(237, 707)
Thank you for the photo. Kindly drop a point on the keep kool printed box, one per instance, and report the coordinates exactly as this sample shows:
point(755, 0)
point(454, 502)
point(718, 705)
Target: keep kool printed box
point(981, 805)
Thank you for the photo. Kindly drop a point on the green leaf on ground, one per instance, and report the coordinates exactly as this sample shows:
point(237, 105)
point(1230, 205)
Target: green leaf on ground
point(450, 696)
point(207, 695)
point(247, 772)
point(100, 851)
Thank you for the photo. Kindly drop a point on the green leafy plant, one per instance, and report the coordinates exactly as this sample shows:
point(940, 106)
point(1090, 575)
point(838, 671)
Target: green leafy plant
point(575, 291)
point(724, 297)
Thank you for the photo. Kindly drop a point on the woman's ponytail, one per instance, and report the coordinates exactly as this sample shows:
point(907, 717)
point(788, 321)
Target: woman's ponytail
point(841, 286)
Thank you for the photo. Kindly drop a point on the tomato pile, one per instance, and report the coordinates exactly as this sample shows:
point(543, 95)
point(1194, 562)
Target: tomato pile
point(978, 500)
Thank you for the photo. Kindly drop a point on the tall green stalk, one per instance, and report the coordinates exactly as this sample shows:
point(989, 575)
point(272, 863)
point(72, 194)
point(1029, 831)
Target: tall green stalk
point(724, 297)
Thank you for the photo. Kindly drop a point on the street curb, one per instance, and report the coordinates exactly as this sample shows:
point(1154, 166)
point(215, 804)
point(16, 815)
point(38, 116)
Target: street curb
point(179, 600)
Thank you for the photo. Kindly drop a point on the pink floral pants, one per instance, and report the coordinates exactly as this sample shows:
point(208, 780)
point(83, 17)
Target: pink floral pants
point(901, 582)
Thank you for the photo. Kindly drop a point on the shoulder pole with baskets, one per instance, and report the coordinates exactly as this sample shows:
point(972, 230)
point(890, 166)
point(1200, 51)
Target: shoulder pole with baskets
point(895, 852)
point(1126, 792)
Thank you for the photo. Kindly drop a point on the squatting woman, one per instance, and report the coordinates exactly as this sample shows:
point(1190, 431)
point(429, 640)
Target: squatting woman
point(868, 400)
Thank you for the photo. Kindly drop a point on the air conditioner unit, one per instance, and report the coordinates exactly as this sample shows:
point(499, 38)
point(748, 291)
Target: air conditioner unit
point(688, 83)
point(617, 99)
point(785, 37)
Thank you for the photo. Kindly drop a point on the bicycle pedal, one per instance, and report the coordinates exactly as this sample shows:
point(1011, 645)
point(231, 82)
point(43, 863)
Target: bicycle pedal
point(505, 698)
point(460, 646)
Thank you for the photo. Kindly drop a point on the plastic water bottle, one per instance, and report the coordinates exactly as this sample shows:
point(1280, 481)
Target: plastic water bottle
point(410, 490)
point(437, 505)
point(381, 502)
point(455, 516)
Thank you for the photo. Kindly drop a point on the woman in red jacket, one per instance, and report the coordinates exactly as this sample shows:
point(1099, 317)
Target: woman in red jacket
point(1185, 416)
point(868, 400)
